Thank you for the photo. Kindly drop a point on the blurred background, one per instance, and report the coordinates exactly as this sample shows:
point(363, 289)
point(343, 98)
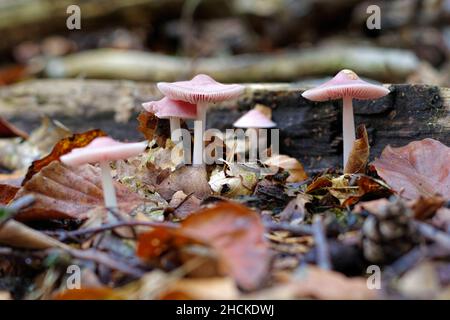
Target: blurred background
point(232, 40)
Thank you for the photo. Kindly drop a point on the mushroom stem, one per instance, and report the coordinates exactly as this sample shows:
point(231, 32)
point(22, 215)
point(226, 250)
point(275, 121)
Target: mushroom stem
point(174, 129)
point(199, 130)
point(109, 194)
point(348, 127)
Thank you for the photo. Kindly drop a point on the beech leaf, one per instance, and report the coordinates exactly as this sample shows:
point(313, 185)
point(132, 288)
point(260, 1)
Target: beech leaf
point(421, 168)
point(359, 155)
point(233, 230)
point(77, 140)
point(63, 192)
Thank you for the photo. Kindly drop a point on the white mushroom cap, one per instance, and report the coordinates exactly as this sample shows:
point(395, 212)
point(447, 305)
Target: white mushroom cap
point(167, 108)
point(254, 119)
point(345, 84)
point(103, 149)
point(201, 88)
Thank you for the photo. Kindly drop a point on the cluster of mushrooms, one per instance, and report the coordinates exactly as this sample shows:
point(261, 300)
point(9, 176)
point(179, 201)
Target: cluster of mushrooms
point(190, 100)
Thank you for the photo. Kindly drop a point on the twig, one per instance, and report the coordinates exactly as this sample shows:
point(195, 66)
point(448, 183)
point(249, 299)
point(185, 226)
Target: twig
point(297, 230)
point(104, 259)
point(320, 239)
point(62, 236)
point(13, 208)
point(434, 234)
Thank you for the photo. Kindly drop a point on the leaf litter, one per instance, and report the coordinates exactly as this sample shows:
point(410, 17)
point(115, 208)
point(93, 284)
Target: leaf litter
point(226, 231)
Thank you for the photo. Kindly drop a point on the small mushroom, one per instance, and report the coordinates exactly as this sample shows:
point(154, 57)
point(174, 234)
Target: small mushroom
point(174, 111)
point(201, 90)
point(102, 150)
point(254, 120)
point(346, 85)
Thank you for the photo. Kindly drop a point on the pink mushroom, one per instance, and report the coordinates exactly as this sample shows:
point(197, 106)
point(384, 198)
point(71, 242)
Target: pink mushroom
point(201, 90)
point(174, 111)
point(346, 85)
point(102, 150)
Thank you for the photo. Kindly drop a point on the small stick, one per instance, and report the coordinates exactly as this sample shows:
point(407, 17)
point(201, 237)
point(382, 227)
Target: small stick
point(297, 230)
point(13, 208)
point(320, 239)
point(90, 231)
point(434, 234)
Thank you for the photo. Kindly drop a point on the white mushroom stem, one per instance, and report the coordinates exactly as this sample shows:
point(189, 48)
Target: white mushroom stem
point(109, 194)
point(348, 127)
point(199, 130)
point(174, 129)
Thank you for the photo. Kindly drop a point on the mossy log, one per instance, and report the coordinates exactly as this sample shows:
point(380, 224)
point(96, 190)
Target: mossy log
point(309, 131)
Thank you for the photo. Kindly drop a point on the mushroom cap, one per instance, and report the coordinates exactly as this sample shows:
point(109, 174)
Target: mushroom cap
point(201, 88)
point(254, 119)
point(103, 149)
point(166, 108)
point(345, 84)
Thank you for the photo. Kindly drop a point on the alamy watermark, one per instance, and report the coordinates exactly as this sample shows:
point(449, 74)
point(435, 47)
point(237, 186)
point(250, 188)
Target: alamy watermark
point(374, 280)
point(73, 21)
point(374, 20)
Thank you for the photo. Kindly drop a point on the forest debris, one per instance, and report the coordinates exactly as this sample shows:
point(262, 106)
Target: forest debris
point(189, 179)
point(295, 212)
point(425, 207)
point(372, 62)
point(359, 155)
point(316, 283)
point(65, 145)
point(18, 154)
point(184, 205)
point(216, 288)
point(69, 193)
point(16, 234)
point(421, 168)
point(293, 166)
point(8, 130)
point(233, 180)
point(232, 230)
point(320, 241)
point(422, 282)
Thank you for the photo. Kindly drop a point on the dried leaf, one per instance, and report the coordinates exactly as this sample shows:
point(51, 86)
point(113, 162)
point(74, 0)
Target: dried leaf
point(421, 168)
point(295, 211)
point(153, 128)
point(103, 293)
point(16, 154)
point(424, 208)
point(189, 179)
point(184, 205)
point(202, 289)
point(62, 192)
point(7, 193)
point(234, 231)
point(316, 283)
point(359, 155)
point(8, 130)
point(293, 166)
point(16, 234)
point(78, 140)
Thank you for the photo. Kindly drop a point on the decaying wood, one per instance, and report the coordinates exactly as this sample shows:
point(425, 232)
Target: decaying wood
point(377, 63)
point(311, 132)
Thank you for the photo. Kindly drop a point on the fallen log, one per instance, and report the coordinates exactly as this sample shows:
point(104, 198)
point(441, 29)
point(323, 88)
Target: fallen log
point(377, 63)
point(311, 132)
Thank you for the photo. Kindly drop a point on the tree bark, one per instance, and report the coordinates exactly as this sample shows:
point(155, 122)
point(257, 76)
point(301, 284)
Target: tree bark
point(311, 132)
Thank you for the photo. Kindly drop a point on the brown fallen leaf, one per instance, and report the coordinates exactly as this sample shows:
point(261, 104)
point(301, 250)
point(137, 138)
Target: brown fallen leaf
point(101, 293)
point(189, 179)
point(62, 192)
point(293, 166)
point(295, 211)
point(78, 140)
point(235, 233)
point(7, 193)
point(153, 128)
point(313, 282)
point(8, 130)
point(16, 234)
point(359, 155)
point(223, 288)
point(184, 205)
point(421, 168)
point(425, 207)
